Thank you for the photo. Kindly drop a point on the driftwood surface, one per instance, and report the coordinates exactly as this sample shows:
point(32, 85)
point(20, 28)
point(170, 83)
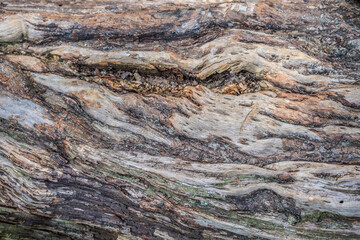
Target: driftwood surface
point(179, 119)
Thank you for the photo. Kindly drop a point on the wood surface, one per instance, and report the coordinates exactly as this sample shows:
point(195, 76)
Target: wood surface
point(179, 119)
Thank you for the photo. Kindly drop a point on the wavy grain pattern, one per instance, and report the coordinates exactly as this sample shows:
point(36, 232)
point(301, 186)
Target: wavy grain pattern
point(179, 119)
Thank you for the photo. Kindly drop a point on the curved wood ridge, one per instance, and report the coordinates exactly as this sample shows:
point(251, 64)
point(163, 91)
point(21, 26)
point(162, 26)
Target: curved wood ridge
point(179, 119)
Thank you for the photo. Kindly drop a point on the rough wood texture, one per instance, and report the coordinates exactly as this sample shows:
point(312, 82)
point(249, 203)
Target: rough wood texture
point(173, 119)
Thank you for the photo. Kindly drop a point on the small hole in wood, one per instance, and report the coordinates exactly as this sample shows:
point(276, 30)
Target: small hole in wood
point(341, 201)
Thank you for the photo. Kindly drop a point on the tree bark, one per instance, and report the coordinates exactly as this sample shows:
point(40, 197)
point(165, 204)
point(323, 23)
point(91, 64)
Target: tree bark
point(179, 119)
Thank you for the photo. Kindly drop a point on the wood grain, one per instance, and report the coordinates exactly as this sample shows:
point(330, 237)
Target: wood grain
point(179, 119)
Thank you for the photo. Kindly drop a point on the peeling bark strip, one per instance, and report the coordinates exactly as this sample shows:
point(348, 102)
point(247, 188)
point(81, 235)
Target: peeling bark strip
point(178, 119)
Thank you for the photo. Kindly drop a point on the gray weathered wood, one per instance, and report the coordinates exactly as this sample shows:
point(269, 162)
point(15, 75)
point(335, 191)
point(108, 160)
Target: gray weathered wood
point(179, 119)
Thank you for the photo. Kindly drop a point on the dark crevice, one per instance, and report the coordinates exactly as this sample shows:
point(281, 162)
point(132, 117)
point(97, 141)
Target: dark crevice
point(169, 82)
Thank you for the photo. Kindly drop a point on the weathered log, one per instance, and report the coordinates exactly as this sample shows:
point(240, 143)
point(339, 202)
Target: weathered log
point(179, 119)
